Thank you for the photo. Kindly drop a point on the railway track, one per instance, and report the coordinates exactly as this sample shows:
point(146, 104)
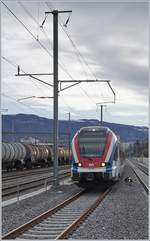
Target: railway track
point(28, 184)
point(60, 221)
point(141, 173)
point(145, 186)
point(142, 168)
point(141, 180)
point(14, 175)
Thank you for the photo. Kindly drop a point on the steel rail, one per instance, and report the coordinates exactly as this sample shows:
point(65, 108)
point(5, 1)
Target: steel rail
point(141, 181)
point(81, 219)
point(26, 180)
point(135, 166)
point(18, 231)
point(43, 217)
point(34, 172)
point(142, 168)
point(31, 185)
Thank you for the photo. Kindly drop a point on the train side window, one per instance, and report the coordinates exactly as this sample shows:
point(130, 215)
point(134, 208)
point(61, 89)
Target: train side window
point(116, 154)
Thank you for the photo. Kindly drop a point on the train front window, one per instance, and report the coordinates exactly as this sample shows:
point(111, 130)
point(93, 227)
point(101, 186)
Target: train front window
point(92, 144)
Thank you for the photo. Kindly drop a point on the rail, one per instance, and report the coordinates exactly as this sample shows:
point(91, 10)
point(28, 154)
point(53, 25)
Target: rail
point(13, 175)
point(64, 218)
point(31, 184)
point(141, 173)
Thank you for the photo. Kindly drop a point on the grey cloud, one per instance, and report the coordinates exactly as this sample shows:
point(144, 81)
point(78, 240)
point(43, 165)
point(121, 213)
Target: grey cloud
point(94, 23)
point(106, 31)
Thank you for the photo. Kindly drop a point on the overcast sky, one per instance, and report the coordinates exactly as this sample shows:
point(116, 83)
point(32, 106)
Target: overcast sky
point(111, 37)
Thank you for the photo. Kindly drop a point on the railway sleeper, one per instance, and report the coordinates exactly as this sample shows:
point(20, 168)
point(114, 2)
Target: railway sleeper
point(65, 219)
point(41, 232)
point(55, 222)
point(67, 215)
point(35, 237)
point(49, 228)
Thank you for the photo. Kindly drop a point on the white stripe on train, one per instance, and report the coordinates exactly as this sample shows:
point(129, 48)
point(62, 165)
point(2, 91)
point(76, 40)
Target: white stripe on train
point(74, 150)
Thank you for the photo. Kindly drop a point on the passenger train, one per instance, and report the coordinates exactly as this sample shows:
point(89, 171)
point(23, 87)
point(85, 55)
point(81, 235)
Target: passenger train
point(97, 155)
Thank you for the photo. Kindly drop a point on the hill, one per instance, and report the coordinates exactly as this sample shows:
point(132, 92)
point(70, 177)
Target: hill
point(22, 127)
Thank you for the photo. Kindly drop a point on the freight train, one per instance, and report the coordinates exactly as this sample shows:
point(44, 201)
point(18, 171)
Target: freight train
point(21, 155)
point(97, 155)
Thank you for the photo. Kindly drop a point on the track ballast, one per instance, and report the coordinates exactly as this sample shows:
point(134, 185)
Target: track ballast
point(59, 222)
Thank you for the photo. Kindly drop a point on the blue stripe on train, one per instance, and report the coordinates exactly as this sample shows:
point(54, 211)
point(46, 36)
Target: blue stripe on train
point(110, 162)
point(74, 167)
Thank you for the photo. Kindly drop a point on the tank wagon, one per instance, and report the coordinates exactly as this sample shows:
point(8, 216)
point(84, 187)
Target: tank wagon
point(22, 155)
point(97, 155)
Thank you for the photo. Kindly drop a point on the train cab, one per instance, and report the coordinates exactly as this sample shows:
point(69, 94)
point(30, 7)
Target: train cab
point(95, 154)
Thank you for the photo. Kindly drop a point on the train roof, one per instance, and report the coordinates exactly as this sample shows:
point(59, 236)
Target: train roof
point(98, 129)
point(94, 128)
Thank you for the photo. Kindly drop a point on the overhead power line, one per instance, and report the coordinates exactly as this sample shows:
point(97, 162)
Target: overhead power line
point(77, 52)
point(16, 66)
point(33, 36)
point(66, 103)
point(64, 69)
point(10, 97)
point(33, 96)
point(38, 41)
point(31, 16)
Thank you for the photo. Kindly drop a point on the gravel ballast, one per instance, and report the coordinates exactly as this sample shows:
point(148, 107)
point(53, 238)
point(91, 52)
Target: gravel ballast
point(123, 214)
point(15, 214)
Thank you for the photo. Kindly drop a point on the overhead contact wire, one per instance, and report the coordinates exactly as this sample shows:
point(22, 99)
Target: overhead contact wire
point(42, 45)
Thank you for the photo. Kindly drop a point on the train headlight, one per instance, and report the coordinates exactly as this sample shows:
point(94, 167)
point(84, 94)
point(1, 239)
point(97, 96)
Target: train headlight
point(79, 164)
point(103, 164)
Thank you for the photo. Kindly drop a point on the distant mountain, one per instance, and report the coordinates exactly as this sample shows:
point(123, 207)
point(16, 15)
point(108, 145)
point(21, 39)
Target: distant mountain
point(22, 126)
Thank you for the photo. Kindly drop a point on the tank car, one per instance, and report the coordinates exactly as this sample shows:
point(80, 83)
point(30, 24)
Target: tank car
point(20, 155)
point(23, 155)
point(97, 155)
point(63, 156)
point(13, 155)
point(37, 155)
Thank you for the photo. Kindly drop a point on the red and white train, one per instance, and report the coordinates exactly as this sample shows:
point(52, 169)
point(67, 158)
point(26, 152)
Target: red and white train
point(97, 155)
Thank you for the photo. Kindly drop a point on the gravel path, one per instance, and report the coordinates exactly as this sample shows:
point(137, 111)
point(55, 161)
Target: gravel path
point(15, 214)
point(123, 214)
